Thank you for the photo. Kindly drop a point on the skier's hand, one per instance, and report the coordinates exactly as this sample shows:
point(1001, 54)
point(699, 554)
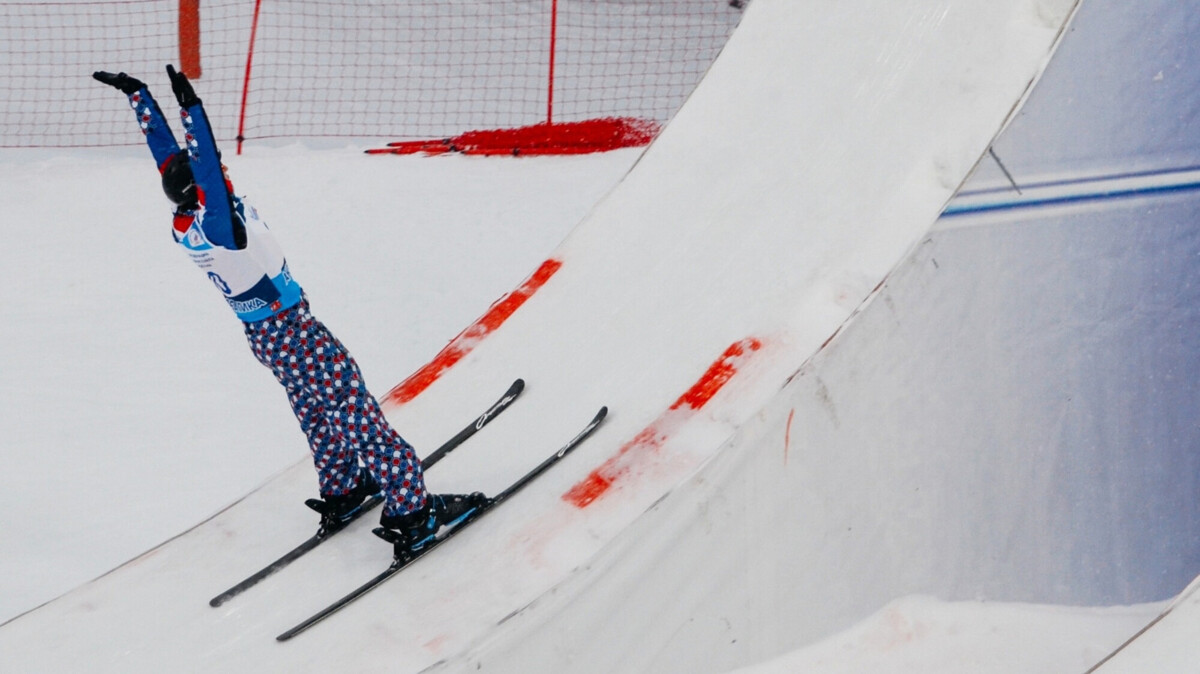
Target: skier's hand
point(184, 93)
point(127, 84)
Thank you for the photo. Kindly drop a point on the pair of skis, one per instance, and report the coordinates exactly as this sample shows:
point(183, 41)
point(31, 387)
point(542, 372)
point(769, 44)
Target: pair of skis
point(322, 535)
point(403, 560)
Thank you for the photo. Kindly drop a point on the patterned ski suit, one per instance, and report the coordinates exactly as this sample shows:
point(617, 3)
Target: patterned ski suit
point(346, 430)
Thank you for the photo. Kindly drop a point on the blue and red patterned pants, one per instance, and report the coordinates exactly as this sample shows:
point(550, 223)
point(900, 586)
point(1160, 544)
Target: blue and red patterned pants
point(340, 417)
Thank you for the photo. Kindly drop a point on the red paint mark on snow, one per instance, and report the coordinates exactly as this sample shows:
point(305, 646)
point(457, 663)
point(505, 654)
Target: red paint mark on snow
point(720, 372)
point(787, 436)
point(437, 644)
point(599, 480)
point(653, 436)
point(468, 339)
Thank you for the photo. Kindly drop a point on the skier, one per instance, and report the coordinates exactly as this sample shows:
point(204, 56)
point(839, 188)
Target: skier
point(356, 453)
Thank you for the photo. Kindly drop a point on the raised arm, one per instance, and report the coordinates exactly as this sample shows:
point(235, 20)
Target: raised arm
point(221, 224)
point(149, 115)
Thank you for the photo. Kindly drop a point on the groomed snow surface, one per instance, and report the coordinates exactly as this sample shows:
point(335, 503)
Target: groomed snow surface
point(845, 436)
point(133, 405)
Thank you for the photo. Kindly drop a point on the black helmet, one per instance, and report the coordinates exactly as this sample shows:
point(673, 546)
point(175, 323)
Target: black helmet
point(178, 183)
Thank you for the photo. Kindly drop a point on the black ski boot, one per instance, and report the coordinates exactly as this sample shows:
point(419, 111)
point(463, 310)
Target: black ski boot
point(337, 511)
point(410, 532)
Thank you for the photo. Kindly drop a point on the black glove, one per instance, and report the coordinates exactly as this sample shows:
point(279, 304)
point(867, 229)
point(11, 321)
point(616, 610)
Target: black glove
point(127, 84)
point(184, 93)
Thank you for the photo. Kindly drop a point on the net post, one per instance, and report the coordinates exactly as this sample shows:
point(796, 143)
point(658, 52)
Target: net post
point(189, 38)
point(553, 47)
point(241, 133)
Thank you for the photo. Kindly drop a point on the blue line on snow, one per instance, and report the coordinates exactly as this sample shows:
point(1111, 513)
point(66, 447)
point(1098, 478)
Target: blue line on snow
point(1104, 188)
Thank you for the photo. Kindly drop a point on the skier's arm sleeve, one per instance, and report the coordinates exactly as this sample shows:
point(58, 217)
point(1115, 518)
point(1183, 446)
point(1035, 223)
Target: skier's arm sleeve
point(154, 126)
point(215, 193)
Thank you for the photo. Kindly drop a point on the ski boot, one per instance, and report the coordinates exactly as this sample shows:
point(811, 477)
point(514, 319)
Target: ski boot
point(337, 511)
point(410, 532)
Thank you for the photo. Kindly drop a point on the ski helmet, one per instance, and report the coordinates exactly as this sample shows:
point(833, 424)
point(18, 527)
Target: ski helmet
point(178, 183)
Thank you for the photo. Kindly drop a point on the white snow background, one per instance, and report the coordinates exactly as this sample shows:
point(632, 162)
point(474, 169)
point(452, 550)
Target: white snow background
point(132, 407)
point(133, 410)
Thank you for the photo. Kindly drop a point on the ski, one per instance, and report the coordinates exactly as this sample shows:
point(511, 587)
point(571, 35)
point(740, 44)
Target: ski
point(402, 561)
point(324, 534)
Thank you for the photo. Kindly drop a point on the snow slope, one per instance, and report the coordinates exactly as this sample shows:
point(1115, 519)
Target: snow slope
point(738, 244)
point(141, 401)
point(1167, 643)
point(918, 633)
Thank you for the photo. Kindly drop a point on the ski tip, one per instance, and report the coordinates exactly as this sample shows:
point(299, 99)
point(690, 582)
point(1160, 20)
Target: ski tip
point(216, 601)
point(518, 385)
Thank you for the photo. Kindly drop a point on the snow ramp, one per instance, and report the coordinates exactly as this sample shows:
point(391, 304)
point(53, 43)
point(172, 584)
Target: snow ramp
point(818, 150)
point(1009, 424)
point(1165, 644)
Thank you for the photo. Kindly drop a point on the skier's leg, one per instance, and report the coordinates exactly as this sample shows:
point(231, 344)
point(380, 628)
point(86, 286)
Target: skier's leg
point(390, 459)
point(355, 414)
point(411, 512)
point(282, 344)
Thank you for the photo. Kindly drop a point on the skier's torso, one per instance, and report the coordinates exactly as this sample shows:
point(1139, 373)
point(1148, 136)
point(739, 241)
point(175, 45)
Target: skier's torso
point(254, 280)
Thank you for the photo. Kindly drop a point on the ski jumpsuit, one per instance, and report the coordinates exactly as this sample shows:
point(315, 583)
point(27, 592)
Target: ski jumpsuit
point(345, 428)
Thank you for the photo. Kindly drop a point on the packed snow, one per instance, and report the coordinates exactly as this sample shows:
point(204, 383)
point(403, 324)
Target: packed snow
point(153, 421)
point(133, 407)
